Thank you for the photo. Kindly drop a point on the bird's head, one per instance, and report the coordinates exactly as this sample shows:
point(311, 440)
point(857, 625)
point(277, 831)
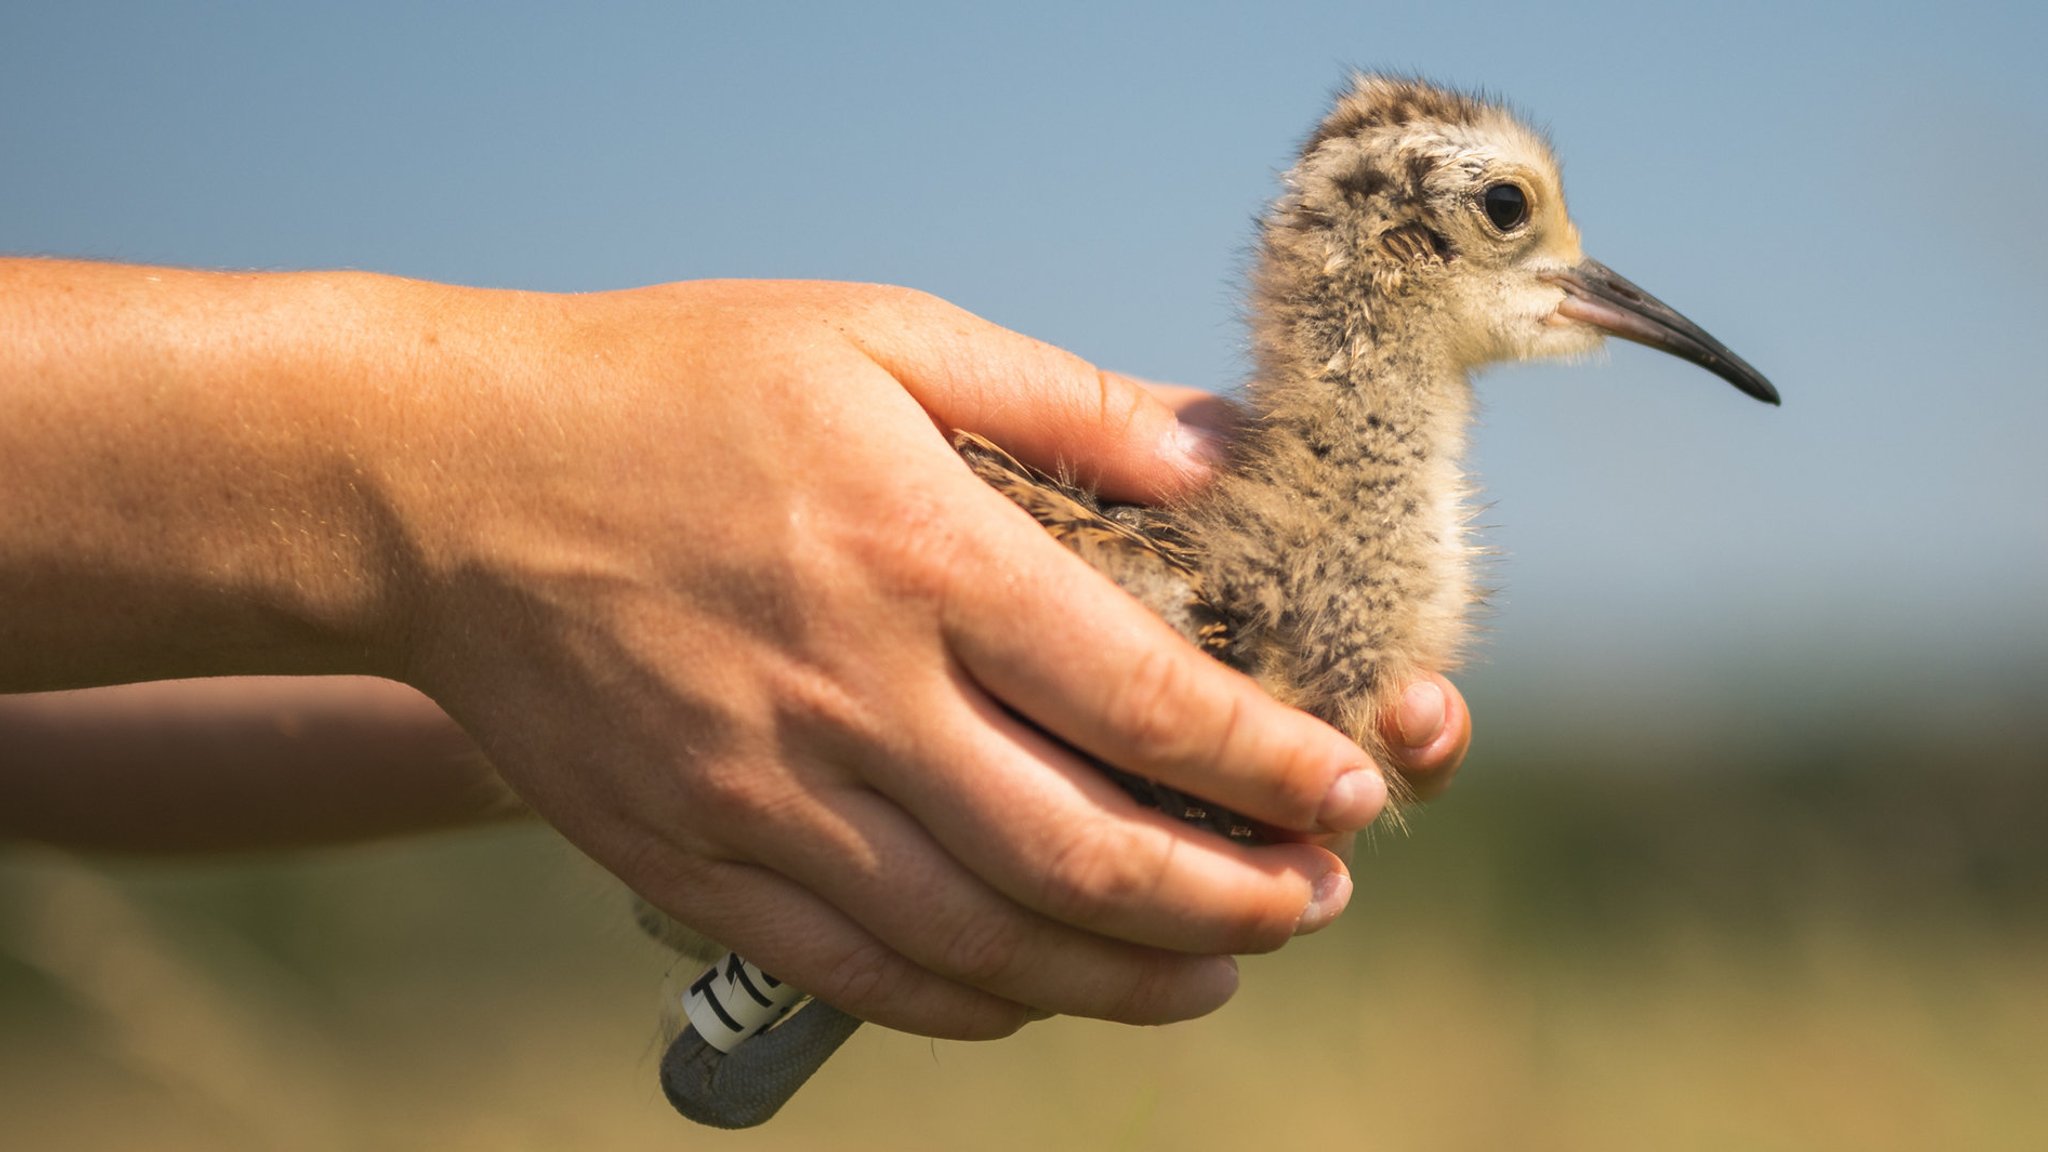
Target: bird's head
point(1446, 208)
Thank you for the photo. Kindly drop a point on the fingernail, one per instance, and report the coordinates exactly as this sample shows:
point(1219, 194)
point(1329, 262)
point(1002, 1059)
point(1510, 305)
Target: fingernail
point(1193, 449)
point(1331, 893)
point(1421, 717)
point(1354, 801)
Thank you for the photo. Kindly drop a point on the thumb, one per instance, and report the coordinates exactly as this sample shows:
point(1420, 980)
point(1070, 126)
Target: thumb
point(1047, 406)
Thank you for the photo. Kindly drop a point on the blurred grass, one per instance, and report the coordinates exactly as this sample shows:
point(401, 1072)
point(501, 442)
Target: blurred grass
point(1833, 941)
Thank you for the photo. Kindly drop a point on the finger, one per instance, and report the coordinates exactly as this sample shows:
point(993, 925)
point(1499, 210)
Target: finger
point(803, 940)
point(1219, 416)
point(875, 864)
point(1048, 406)
point(1054, 834)
point(1428, 732)
point(1075, 655)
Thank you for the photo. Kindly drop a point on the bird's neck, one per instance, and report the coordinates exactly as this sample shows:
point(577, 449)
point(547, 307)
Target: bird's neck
point(1340, 533)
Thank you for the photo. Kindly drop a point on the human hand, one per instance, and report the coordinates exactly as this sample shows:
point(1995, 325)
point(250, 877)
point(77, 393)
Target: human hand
point(698, 570)
point(700, 573)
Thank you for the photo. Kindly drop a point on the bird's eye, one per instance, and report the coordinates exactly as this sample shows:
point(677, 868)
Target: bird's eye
point(1507, 206)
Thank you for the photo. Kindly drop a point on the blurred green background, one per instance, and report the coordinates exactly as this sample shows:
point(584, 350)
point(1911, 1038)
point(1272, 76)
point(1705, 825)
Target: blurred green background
point(1749, 852)
point(1835, 943)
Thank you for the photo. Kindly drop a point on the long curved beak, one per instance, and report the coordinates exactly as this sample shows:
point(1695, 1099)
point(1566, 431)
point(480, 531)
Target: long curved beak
point(1595, 294)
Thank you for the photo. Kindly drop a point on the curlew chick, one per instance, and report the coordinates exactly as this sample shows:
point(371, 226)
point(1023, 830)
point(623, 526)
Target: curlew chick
point(1422, 234)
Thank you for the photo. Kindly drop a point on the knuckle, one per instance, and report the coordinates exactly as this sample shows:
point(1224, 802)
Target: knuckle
point(1000, 1022)
point(906, 299)
point(1119, 405)
point(732, 803)
point(913, 546)
point(673, 934)
point(1151, 709)
point(913, 308)
point(1095, 874)
point(875, 983)
point(724, 789)
point(987, 1019)
point(1278, 772)
point(981, 951)
point(1267, 928)
point(1139, 1000)
point(811, 701)
point(865, 980)
point(1299, 784)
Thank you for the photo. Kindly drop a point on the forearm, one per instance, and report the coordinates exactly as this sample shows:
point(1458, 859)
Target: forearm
point(183, 457)
point(237, 764)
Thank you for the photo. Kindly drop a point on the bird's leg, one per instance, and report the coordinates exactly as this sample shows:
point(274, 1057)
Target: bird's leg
point(744, 1052)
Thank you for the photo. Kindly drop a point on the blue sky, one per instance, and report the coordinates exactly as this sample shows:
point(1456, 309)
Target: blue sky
point(1848, 195)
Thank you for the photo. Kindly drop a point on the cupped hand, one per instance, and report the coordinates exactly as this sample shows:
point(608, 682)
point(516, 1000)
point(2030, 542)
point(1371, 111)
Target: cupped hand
point(696, 568)
point(699, 571)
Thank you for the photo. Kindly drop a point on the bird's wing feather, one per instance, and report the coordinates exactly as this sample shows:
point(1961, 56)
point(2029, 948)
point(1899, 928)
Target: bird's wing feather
point(1161, 577)
point(1131, 545)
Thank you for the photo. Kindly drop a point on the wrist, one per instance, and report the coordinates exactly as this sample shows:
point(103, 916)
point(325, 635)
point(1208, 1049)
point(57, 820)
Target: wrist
point(191, 450)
